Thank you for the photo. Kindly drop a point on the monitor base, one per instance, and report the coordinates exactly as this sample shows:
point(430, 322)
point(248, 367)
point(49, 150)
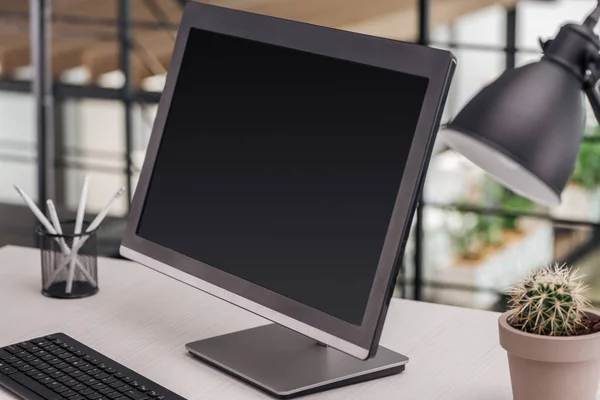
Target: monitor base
point(286, 364)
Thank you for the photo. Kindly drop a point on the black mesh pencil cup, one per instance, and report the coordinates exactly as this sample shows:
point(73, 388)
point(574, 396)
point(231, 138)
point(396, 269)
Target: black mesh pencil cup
point(69, 262)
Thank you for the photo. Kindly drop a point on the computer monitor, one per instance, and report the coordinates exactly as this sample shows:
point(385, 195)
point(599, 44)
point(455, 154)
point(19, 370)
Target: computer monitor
point(284, 167)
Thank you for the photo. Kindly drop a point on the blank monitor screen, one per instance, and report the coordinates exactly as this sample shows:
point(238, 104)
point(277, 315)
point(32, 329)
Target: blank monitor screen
point(282, 167)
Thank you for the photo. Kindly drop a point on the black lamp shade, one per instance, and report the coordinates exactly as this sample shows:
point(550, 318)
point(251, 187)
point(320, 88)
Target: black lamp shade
point(524, 129)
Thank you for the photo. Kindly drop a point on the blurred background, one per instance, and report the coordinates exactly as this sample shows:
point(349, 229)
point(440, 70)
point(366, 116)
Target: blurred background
point(80, 81)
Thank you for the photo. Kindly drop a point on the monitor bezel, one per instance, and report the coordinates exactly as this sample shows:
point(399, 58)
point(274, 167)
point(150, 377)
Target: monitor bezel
point(437, 65)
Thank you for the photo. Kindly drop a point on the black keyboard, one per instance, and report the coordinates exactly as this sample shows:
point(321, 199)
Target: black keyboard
point(57, 367)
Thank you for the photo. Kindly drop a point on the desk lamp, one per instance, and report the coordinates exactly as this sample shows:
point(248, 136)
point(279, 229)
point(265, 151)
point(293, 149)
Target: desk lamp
point(525, 128)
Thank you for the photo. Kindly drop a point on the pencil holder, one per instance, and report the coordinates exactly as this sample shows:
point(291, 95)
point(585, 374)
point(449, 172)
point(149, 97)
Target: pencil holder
point(69, 262)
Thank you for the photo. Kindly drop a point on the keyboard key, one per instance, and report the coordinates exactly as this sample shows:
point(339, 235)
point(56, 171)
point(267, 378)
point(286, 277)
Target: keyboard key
point(43, 366)
point(160, 398)
point(54, 361)
point(135, 384)
point(77, 397)
point(127, 379)
point(53, 385)
point(116, 384)
point(29, 358)
point(109, 390)
point(88, 358)
point(43, 344)
point(99, 386)
point(110, 370)
point(93, 371)
point(125, 388)
point(46, 380)
point(61, 388)
point(79, 387)
point(113, 395)
point(25, 368)
point(87, 391)
point(152, 393)
point(94, 396)
point(91, 381)
point(51, 338)
point(83, 378)
point(51, 347)
point(40, 376)
point(135, 395)
point(63, 356)
point(58, 341)
point(36, 387)
point(41, 353)
point(32, 372)
point(21, 354)
point(64, 378)
point(18, 364)
point(102, 376)
point(50, 370)
point(33, 349)
point(62, 366)
point(8, 370)
point(68, 393)
point(80, 363)
point(102, 366)
point(94, 361)
point(48, 357)
point(12, 349)
point(71, 349)
point(87, 367)
point(59, 351)
point(11, 359)
point(64, 345)
point(56, 374)
point(68, 370)
point(143, 388)
point(119, 375)
point(35, 362)
point(26, 345)
point(109, 380)
point(72, 359)
point(76, 373)
point(72, 382)
point(78, 353)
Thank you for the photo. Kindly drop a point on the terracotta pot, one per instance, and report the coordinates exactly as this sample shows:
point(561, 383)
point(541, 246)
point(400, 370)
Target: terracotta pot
point(550, 367)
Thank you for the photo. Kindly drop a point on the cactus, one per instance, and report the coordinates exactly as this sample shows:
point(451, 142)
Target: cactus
point(549, 302)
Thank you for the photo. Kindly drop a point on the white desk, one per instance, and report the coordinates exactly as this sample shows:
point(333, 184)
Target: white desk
point(142, 319)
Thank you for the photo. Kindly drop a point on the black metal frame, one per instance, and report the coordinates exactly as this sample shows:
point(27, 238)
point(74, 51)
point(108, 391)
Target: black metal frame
point(48, 94)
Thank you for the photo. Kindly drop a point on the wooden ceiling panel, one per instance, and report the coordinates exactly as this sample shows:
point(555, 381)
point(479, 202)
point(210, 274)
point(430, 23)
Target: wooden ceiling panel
point(95, 45)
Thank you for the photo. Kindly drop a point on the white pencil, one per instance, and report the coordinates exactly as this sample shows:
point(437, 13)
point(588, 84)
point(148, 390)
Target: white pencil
point(102, 214)
point(36, 211)
point(77, 231)
point(54, 216)
point(43, 220)
point(82, 205)
point(94, 225)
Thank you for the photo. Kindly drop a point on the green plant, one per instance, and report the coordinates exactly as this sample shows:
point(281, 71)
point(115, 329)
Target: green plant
point(587, 166)
point(549, 302)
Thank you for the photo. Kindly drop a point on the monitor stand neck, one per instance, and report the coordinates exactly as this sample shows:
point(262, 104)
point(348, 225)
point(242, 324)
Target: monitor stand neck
point(287, 364)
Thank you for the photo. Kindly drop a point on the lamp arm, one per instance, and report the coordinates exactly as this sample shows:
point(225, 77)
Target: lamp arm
point(594, 98)
point(590, 82)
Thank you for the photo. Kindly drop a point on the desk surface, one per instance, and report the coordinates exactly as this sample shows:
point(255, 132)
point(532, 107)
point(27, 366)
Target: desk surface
point(142, 319)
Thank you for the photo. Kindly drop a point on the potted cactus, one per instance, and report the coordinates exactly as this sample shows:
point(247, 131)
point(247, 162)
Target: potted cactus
point(552, 337)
